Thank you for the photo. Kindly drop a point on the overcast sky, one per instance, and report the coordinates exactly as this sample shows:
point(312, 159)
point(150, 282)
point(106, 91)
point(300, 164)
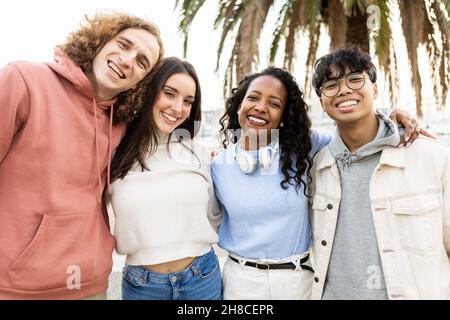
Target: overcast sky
point(30, 29)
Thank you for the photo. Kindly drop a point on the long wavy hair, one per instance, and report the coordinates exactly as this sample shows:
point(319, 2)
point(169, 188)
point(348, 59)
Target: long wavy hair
point(294, 135)
point(141, 138)
point(83, 45)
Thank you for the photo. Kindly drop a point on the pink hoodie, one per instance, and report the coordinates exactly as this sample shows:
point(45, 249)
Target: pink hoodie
point(56, 141)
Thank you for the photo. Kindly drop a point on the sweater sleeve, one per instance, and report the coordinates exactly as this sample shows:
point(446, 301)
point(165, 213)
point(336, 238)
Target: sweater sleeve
point(106, 201)
point(14, 106)
point(319, 141)
point(214, 212)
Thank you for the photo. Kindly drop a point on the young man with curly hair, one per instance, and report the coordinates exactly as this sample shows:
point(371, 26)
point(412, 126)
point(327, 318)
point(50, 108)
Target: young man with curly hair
point(60, 122)
point(380, 214)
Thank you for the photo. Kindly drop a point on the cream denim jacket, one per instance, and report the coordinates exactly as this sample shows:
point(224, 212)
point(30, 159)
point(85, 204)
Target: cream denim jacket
point(410, 200)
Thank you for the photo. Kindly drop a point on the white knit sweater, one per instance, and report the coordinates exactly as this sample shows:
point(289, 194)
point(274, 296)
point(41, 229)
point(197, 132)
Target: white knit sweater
point(169, 212)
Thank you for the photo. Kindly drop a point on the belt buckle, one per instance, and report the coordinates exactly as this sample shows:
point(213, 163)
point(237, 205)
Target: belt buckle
point(263, 266)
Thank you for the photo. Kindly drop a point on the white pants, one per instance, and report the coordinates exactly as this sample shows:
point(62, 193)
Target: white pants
point(242, 282)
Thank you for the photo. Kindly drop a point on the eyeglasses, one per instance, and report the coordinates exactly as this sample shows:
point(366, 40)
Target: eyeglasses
point(354, 81)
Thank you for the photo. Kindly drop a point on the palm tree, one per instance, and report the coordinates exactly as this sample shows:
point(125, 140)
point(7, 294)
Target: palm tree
point(424, 22)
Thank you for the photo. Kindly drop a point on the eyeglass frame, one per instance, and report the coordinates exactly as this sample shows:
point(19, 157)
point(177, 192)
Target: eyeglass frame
point(344, 78)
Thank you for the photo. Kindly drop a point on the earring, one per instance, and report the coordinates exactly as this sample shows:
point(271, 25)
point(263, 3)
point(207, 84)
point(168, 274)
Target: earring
point(281, 125)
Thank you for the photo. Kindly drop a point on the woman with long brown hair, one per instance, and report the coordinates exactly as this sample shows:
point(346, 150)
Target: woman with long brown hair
point(162, 195)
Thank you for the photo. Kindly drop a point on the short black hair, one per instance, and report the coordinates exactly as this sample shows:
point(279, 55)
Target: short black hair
point(351, 57)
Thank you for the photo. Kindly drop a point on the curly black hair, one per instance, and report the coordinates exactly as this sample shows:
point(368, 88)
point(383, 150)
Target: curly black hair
point(294, 135)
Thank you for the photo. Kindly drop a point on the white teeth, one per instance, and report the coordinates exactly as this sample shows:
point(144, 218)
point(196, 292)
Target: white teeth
point(347, 103)
point(170, 118)
point(259, 121)
point(116, 70)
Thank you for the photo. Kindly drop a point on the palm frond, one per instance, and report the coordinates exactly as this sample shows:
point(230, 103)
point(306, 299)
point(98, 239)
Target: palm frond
point(393, 81)
point(226, 8)
point(447, 6)
point(245, 52)
point(249, 33)
point(423, 22)
point(292, 31)
point(383, 36)
point(413, 16)
point(311, 12)
point(189, 9)
point(429, 39)
point(280, 31)
point(441, 60)
point(230, 13)
point(314, 37)
point(312, 19)
point(230, 72)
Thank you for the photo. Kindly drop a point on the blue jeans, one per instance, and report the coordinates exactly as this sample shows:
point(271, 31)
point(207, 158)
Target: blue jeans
point(200, 281)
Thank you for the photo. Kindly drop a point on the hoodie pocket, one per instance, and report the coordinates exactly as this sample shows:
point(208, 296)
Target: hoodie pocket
point(67, 250)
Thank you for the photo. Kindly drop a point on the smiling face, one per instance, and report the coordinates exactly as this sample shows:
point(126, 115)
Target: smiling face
point(174, 102)
point(263, 105)
point(123, 61)
point(350, 105)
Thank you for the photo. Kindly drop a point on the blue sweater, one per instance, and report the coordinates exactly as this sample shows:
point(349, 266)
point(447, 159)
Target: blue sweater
point(260, 219)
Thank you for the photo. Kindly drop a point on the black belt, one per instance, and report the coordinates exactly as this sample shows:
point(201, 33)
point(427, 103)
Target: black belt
point(273, 266)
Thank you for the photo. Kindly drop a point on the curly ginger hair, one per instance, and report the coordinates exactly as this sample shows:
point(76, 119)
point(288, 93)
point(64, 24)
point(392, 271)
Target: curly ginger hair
point(83, 45)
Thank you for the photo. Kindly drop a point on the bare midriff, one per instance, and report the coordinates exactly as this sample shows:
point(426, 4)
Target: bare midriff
point(171, 266)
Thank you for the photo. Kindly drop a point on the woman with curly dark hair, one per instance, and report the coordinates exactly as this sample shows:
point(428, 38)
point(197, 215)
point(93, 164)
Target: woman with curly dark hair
point(260, 180)
point(60, 123)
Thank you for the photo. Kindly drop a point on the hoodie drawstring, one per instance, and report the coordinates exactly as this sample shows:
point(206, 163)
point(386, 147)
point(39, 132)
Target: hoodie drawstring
point(345, 158)
point(94, 105)
point(109, 148)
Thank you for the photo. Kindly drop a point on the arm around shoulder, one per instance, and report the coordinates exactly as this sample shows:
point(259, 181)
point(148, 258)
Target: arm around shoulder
point(319, 141)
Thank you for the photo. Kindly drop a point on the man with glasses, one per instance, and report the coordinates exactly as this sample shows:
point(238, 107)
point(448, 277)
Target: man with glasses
point(380, 214)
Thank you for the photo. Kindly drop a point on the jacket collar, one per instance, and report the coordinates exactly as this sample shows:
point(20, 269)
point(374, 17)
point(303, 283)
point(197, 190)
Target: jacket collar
point(394, 157)
point(391, 156)
point(326, 161)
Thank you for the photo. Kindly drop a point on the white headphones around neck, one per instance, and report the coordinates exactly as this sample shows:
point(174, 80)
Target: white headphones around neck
point(247, 162)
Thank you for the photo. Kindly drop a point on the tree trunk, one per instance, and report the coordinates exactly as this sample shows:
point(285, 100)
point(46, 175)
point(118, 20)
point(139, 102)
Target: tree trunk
point(357, 31)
